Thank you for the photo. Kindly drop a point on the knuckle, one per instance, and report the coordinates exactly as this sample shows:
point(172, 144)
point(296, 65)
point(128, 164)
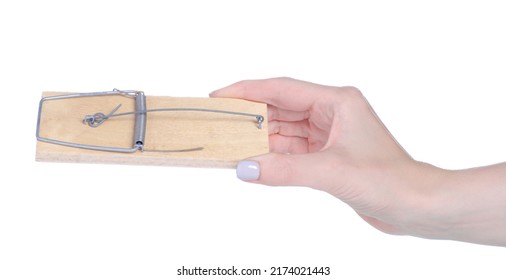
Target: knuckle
point(353, 97)
point(346, 94)
point(353, 92)
point(275, 126)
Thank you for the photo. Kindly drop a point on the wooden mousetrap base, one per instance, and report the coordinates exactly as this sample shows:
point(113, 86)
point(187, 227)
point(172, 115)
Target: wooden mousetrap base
point(225, 139)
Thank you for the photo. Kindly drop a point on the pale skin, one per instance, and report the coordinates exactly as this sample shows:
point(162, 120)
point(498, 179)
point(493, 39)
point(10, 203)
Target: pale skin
point(330, 139)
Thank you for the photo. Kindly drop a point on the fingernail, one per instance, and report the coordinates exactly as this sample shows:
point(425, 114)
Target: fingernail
point(248, 170)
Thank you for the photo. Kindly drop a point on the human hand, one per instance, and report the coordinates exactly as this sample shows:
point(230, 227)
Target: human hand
point(329, 138)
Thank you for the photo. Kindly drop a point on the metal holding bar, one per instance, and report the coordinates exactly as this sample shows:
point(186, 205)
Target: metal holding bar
point(259, 118)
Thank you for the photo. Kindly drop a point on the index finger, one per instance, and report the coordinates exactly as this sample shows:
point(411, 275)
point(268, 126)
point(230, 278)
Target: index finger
point(284, 93)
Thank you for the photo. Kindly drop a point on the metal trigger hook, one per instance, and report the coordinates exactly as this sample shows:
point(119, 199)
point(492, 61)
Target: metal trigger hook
point(98, 118)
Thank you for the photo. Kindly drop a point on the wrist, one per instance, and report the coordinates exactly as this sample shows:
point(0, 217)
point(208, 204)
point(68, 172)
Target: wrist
point(426, 210)
point(464, 205)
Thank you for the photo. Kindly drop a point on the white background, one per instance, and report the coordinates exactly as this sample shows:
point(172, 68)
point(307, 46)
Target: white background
point(433, 70)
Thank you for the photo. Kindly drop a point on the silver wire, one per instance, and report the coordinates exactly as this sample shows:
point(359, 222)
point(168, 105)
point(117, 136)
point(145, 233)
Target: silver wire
point(91, 119)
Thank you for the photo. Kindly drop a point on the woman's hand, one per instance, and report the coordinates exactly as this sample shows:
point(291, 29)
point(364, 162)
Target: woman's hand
point(329, 138)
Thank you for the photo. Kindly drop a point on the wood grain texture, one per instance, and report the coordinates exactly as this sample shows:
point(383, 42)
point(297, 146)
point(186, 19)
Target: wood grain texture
point(225, 139)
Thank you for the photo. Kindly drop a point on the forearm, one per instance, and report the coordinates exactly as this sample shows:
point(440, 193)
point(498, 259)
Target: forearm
point(467, 205)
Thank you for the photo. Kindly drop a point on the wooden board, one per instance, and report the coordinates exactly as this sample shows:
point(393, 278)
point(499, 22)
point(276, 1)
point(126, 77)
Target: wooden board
point(225, 139)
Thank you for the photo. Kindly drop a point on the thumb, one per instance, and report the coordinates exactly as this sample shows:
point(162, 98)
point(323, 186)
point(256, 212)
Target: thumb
point(311, 170)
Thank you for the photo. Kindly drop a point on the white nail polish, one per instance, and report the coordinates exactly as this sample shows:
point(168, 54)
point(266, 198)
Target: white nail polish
point(248, 170)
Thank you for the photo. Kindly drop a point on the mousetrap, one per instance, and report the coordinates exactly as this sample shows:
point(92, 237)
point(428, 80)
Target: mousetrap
point(128, 127)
